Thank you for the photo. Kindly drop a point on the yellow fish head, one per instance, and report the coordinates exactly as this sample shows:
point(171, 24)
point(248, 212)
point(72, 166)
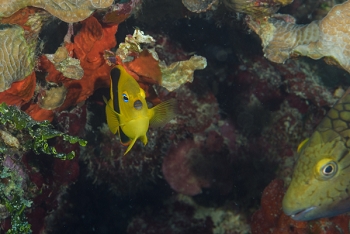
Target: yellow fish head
point(320, 186)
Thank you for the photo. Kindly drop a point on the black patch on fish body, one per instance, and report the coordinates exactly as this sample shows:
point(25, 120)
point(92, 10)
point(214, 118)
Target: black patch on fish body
point(123, 138)
point(115, 76)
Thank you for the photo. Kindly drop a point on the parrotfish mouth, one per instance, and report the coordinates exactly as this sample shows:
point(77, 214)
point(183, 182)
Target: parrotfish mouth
point(301, 214)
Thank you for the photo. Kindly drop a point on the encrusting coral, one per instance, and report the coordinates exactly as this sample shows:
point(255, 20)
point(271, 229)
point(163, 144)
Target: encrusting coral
point(329, 37)
point(16, 55)
point(147, 67)
point(68, 66)
point(19, 39)
point(81, 60)
point(66, 10)
point(199, 5)
point(256, 8)
point(180, 72)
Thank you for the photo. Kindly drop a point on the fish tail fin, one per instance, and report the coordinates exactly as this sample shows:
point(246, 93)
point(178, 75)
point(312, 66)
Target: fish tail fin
point(162, 113)
point(130, 145)
point(112, 116)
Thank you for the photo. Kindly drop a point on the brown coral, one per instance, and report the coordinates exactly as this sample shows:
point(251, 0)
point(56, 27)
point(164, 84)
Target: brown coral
point(199, 5)
point(330, 37)
point(16, 56)
point(67, 10)
point(256, 8)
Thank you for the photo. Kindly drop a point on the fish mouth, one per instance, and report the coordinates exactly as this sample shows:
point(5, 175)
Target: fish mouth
point(138, 105)
point(300, 215)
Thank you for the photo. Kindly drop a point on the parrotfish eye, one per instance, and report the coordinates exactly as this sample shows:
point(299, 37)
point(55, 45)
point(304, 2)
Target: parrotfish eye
point(326, 168)
point(329, 169)
point(138, 105)
point(125, 97)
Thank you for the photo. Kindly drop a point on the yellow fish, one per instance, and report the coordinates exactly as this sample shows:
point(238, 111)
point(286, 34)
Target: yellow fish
point(320, 186)
point(127, 111)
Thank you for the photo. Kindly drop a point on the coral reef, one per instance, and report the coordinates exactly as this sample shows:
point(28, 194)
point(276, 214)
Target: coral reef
point(199, 6)
point(282, 38)
point(18, 44)
point(67, 11)
point(189, 217)
point(239, 119)
point(39, 133)
point(180, 72)
point(17, 55)
point(141, 168)
point(258, 8)
point(20, 134)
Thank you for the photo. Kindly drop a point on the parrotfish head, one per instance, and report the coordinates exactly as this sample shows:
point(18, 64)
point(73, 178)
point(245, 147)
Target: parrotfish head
point(320, 185)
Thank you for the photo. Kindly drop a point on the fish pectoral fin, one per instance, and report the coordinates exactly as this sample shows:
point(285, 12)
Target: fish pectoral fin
point(130, 146)
point(112, 117)
point(162, 113)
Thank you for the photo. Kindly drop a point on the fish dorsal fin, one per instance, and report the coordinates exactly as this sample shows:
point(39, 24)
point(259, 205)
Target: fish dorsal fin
point(112, 116)
point(115, 77)
point(162, 113)
point(302, 145)
point(130, 146)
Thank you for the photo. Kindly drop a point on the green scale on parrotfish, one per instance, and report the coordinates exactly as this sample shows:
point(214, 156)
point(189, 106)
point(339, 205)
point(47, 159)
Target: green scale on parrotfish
point(320, 185)
point(127, 111)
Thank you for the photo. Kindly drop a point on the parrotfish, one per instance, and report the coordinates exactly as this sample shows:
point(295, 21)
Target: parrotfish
point(320, 185)
point(127, 111)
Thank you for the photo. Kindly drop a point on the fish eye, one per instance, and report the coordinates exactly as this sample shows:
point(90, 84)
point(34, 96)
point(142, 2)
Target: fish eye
point(326, 168)
point(125, 97)
point(329, 169)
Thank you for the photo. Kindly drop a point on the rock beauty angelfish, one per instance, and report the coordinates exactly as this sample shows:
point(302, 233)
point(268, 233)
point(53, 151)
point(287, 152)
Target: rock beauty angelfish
point(127, 111)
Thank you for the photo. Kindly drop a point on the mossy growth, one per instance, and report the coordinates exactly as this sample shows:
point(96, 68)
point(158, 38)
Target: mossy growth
point(12, 195)
point(39, 132)
point(19, 133)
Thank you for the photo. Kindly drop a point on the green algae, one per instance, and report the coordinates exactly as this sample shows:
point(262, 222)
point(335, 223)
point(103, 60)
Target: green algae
point(28, 134)
point(39, 132)
point(13, 196)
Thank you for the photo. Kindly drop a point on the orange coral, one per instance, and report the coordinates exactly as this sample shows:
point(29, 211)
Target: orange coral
point(21, 17)
point(146, 67)
point(90, 43)
point(20, 92)
point(88, 47)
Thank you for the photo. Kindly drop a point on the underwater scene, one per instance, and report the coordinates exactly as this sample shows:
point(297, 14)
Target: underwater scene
point(175, 116)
